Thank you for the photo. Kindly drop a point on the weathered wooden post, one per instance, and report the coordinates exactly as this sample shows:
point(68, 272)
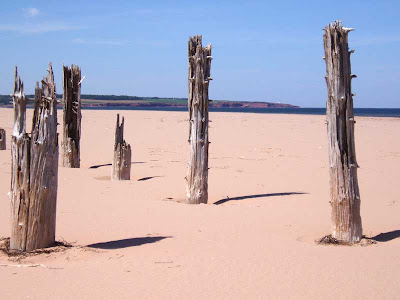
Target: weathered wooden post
point(2, 139)
point(345, 195)
point(44, 167)
point(198, 81)
point(72, 116)
point(122, 154)
point(20, 169)
point(34, 175)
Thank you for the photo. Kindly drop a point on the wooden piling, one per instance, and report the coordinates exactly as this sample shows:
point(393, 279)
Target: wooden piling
point(72, 116)
point(344, 190)
point(122, 154)
point(34, 175)
point(2, 139)
point(20, 169)
point(198, 82)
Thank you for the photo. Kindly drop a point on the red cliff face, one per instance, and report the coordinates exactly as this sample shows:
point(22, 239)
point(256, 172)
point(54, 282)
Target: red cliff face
point(143, 102)
point(238, 104)
point(213, 104)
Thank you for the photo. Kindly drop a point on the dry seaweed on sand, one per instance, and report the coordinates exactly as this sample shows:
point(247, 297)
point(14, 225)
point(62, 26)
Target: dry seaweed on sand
point(329, 240)
point(59, 246)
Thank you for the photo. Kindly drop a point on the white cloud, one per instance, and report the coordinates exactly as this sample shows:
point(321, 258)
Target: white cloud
point(32, 11)
point(38, 27)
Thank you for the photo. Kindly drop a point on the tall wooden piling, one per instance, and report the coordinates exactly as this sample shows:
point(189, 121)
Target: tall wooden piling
point(345, 195)
point(198, 81)
point(72, 116)
point(122, 154)
point(20, 169)
point(34, 175)
point(2, 139)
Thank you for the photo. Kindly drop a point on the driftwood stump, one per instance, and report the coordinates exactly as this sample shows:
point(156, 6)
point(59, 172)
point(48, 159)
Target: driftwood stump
point(2, 139)
point(345, 195)
point(72, 116)
point(122, 154)
point(199, 78)
point(34, 168)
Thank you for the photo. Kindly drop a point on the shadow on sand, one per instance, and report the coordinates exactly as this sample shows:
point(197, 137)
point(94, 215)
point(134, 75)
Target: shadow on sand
point(387, 236)
point(222, 201)
point(99, 166)
point(107, 165)
point(119, 244)
point(148, 178)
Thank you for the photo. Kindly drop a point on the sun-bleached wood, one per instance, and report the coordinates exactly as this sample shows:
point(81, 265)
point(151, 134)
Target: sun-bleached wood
point(344, 190)
point(20, 169)
point(44, 167)
point(2, 139)
point(72, 116)
point(198, 81)
point(122, 154)
point(34, 175)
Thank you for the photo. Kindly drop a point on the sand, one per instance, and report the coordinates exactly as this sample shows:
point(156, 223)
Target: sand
point(268, 203)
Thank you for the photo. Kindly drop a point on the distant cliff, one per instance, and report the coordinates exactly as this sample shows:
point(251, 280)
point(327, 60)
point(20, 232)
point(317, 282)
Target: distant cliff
point(106, 101)
point(213, 104)
point(244, 104)
point(181, 102)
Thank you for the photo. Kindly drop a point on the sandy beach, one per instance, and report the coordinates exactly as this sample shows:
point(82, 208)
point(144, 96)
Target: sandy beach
point(268, 203)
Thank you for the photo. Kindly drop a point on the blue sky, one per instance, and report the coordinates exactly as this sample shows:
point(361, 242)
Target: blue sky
point(262, 50)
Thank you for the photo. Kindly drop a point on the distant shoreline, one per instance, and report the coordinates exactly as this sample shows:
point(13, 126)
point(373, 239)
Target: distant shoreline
point(358, 112)
point(107, 101)
point(114, 102)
